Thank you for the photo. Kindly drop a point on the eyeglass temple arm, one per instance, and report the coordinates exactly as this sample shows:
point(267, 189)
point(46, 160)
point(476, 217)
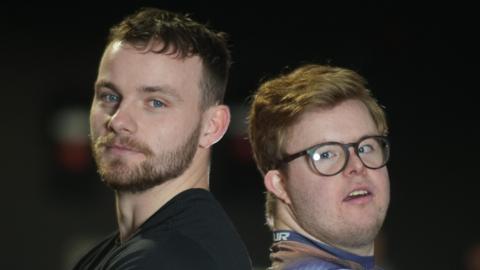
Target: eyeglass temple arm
point(293, 156)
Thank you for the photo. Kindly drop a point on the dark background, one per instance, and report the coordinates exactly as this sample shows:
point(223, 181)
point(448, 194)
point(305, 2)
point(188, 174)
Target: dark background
point(419, 61)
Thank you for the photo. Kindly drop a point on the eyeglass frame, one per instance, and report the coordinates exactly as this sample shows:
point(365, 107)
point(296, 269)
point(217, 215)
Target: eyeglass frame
point(345, 146)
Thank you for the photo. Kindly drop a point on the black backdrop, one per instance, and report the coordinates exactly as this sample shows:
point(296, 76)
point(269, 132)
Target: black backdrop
point(419, 61)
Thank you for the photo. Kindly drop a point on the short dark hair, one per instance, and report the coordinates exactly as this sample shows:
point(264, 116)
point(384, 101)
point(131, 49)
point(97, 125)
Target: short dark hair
point(183, 37)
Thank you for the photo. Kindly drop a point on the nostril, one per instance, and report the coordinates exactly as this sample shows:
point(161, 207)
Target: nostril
point(122, 122)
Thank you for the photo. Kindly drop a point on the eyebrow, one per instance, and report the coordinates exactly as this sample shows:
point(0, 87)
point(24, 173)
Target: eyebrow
point(166, 90)
point(106, 84)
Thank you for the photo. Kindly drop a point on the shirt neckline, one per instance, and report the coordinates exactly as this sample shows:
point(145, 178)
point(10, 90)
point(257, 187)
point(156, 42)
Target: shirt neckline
point(368, 262)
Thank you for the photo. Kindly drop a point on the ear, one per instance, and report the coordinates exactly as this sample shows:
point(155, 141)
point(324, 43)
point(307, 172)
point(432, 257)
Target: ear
point(215, 124)
point(274, 181)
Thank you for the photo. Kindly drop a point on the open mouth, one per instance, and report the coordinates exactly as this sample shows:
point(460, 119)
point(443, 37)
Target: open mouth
point(357, 194)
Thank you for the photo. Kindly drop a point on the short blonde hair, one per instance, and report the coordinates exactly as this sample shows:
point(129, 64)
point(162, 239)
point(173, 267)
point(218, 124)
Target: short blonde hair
point(280, 101)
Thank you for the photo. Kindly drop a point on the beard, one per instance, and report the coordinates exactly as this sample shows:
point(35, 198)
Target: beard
point(118, 174)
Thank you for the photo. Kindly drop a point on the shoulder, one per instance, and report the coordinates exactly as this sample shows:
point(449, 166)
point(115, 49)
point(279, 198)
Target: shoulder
point(182, 251)
point(174, 252)
point(205, 225)
point(96, 253)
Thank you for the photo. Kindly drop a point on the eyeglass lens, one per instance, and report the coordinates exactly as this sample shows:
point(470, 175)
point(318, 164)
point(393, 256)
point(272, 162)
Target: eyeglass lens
point(331, 158)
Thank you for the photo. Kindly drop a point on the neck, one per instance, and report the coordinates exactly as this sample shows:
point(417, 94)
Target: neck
point(285, 220)
point(133, 209)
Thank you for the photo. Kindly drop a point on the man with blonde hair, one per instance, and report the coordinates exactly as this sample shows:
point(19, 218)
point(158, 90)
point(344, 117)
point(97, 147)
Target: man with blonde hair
point(319, 140)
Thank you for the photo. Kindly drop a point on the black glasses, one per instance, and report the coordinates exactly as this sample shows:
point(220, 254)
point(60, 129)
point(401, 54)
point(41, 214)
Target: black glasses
point(330, 158)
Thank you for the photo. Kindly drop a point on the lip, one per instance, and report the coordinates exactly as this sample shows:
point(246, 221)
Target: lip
point(119, 148)
point(359, 199)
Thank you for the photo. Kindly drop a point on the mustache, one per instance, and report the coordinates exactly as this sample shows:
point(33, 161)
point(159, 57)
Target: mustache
point(129, 142)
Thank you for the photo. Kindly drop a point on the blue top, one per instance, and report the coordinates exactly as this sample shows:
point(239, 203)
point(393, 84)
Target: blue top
point(367, 262)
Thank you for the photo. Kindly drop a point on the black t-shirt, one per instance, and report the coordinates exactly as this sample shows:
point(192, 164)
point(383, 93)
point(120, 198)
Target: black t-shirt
point(191, 231)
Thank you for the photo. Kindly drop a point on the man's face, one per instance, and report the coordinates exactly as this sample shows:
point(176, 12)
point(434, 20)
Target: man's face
point(145, 118)
point(323, 205)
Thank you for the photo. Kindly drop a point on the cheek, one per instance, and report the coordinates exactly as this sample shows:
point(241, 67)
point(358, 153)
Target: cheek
point(160, 138)
point(310, 188)
point(383, 183)
point(97, 122)
point(386, 179)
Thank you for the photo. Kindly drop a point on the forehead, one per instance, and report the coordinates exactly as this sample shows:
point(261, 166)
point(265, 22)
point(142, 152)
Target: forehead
point(130, 68)
point(346, 122)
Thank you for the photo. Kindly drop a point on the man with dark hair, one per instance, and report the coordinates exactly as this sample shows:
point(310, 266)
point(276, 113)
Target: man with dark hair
point(319, 140)
point(156, 111)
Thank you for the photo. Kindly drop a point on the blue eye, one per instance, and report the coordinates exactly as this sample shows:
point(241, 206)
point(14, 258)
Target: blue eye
point(110, 98)
point(157, 103)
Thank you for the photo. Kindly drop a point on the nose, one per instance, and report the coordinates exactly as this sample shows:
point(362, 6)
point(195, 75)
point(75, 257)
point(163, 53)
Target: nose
point(122, 121)
point(354, 164)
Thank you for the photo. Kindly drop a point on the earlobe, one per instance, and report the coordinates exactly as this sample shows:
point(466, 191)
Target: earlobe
point(216, 121)
point(274, 182)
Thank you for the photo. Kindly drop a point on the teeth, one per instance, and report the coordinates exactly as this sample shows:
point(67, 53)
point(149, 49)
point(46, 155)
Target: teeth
point(358, 193)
